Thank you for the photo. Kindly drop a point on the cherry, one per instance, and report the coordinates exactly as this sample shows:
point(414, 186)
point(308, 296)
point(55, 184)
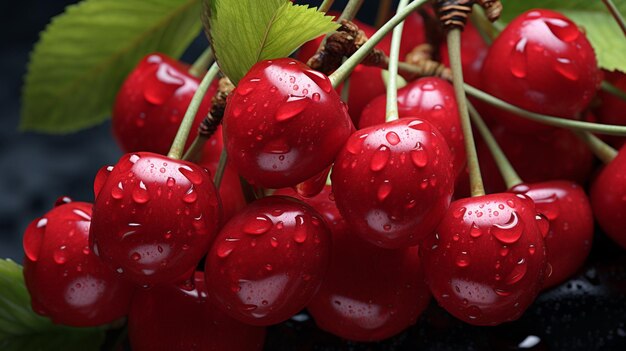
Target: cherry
point(608, 198)
point(473, 49)
point(151, 103)
point(485, 263)
point(543, 63)
point(393, 182)
point(369, 293)
point(66, 281)
point(154, 217)
point(268, 261)
point(568, 241)
point(180, 318)
point(431, 99)
point(611, 110)
point(556, 154)
point(230, 191)
point(283, 124)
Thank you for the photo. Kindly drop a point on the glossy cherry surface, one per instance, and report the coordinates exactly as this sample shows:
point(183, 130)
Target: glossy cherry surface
point(431, 99)
point(230, 192)
point(181, 318)
point(393, 182)
point(552, 155)
point(152, 102)
point(608, 198)
point(268, 261)
point(543, 63)
point(485, 263)
point(154, 217)
point(66, 281)
point(369, 293)
point(284, 123)
point(568, 241)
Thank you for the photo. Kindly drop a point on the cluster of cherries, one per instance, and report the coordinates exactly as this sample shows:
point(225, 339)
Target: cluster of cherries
point(196, 267)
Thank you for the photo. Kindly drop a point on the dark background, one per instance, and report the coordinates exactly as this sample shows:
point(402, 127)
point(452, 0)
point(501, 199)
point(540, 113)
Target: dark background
point(586, 313)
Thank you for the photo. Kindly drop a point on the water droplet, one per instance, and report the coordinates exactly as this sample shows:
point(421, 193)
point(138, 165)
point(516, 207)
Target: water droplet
point(259, 225)
point(194, 177)
point(462, 260)
point(316, 97)
point(380, 158)
point(517, 63)
point(274, 242)
point(562, 29)
point(459, 212)
point(190, 196)
point(42, 222)
point(118, 191)
point(383, 191)
point(509, 232)
point(247, 88)
point(419, 156)
point(504, 251)
point(543, 224)
point(268, 267)
point(392, 138)
point(164, 86)
point(135, 256)
point(474, 312)
point(300, 233)
point(320, 79)
point(224, 249)
point(292, 107)
point(517, 273)
point(475, 231)
point(140, 194)
point(60, 255)
point(354, 145)
point(502, 293)
point(566, 68)
point(531, 249)
point(511, 203)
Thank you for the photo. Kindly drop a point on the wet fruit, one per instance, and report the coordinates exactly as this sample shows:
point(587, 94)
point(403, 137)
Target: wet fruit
point(608, 198)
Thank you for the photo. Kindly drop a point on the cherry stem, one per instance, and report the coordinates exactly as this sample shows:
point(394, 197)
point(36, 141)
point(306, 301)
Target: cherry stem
point(394, 58)
point(616, 15)
point(613, 90)
point(609, 129)
point(325, 6)
point(350, 11)
point(484, 26)
point(345, 91)
point(178, 146)
point(221, 166)
point(194, 151)
point(454, 52)
point(383, 12)
point(202, 63)
point(602, 150)
point(348, 66)
point(510, 176)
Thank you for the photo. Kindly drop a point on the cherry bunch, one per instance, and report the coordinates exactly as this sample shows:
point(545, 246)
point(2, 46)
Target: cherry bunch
point(195, 266)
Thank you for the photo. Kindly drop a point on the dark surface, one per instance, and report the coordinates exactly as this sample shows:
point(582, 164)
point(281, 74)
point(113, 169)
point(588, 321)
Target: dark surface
point(586, 313)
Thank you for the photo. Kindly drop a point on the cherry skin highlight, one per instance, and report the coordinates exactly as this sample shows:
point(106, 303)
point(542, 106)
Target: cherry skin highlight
point(369, 293)
point(268, 261)
point(393, 182)
point(180, 318)
point(485, 262)
point(543, 63)
point(152, 102)
point(431, 99)
point(284, 124)
point(154, 218)
point(66, 281)
point(608, 194)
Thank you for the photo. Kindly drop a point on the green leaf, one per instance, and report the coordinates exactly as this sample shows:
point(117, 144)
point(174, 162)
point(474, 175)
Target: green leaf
point(602, 31)
point(84, 55)
point(244, 32)
point(22, 329)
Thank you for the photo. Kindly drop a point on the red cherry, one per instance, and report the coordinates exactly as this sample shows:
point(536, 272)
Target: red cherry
point(485, 263)
point(473, 53)
point(393, 182)
point(556, 154)
point(431, 99)
point(268, 261)
point(369, 293)
point(154, 218)
point(568, 242)
point(66, 281)
point(152, 102)
point(543, 63)
point(608, 198)
point(611, 110)
point(283, 124)
point(180, 318)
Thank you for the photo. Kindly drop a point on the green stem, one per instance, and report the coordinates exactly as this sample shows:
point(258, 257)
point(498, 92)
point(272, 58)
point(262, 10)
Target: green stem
point(454, 52)
point(510, 176)
point(221, 166)
point(350, 11)
point(325, 6)
point(615, 13)
point(345, 91)
point(394, 58)
point(176, 151)
point(613, 90)
point(485, 28)
point(601, 149)
point(347, 67)
point(195, 150)
point(609, 129)
point(202, 63)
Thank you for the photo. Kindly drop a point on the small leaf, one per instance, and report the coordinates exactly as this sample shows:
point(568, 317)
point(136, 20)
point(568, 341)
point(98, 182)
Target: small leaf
point(244, 32)
point(22, 329)
point(84, 55)
point(602, 31)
